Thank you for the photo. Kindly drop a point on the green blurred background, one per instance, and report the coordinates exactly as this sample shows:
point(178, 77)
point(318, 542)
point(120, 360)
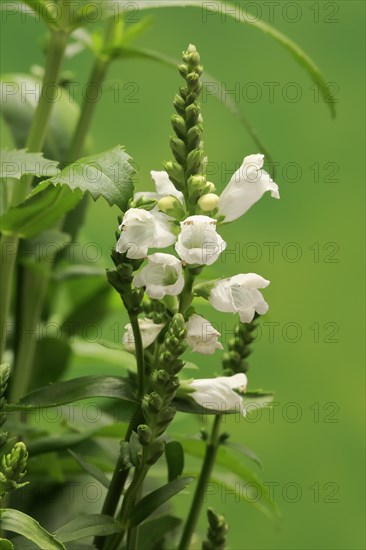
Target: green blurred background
point(312, 445)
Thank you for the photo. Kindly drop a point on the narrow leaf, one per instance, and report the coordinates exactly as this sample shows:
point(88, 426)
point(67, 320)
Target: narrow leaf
point(92, 470)
point(17, 522)
point(17, 163)
point(244, 451)
point(107, 175)
point(77, 389)
point(87, 526)
point(57, 443)
point(238, 13)
point(151, 502)
point(174, 455)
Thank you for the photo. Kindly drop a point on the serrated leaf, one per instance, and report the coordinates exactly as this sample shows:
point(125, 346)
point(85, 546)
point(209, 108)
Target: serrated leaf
point(152, 501)
point(174, 455)
point(238, 13)
point(40, 211)
point(17, 163)
point(108, 175)
point(17, 522)
point(92, 470)
point(154, 531)
point(87, 526)
point(62, 393)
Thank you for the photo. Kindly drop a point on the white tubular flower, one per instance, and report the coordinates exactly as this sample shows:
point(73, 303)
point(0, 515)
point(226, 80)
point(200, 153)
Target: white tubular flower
point(245, 188)
point(218, 393)
point(142, 230)
point(202, 336)
point(240, 294)
point(164, 187)
point(198, 242)
point(162, 276)
point(149, 332)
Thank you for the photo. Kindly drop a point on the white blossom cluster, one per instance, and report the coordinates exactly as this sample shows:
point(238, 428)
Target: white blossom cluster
point(197, 244)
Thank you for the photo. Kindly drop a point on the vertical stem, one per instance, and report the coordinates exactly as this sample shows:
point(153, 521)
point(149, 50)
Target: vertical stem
point(203, 479)
point(34, 143)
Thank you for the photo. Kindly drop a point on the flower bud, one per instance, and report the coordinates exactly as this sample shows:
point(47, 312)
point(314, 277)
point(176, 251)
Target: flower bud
point(208, 202)
point(155, 450)
point(179, 126)
point(178, 148)
point(172, 207)
point(144, 434)
point(176, 174)
point(179, 104)
point(166, 416)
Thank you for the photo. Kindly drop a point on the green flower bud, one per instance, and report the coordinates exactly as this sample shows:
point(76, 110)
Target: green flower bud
point(196, 183)
point(192, 115)
point(178, 148)
point(176, 174)
point(13, 468)
point(172, 207)
point(194, 161)
point(155, 402)
point(183, 70)
point(144, 434)
point(194, 137)
point(180, 105)
point(208, 202)
point(179, 126)
point(155, 450)
point(166, 415)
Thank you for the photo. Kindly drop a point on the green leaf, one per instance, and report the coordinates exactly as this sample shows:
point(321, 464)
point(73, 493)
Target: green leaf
point(92, 470)
point(40, 211)
point(17, 522)
point(152, 501)
point(40, 251)
point(152, 532)
point(107, 175)
point(16, 163)
point(56, 443)
point(251, 488)
point(87, 526)
point(238, 13)
point(77, 271)
point(78, 389)
point(244, 451)
point(18, 111)
point(5, 544)
point(174, 455)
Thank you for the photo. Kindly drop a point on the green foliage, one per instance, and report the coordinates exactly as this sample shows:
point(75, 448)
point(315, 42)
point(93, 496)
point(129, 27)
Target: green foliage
point(174, 455)
point(152, 501)
point(152, 533)
point(13, 469)
point(107, 174)
point(40, 211)
point(17, 163)
point(17, 522)
point(18, 110)
point(85, 526)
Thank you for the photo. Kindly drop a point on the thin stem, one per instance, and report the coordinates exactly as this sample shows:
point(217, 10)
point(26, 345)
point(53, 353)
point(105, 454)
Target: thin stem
point(187, 294)
point(34, 143)
point(204, 478)
point(120, 476)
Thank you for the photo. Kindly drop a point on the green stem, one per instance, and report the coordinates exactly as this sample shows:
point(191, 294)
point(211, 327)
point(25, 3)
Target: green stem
point(187, 293)
point(34, 143)
point(204, 478)
point(120, 476)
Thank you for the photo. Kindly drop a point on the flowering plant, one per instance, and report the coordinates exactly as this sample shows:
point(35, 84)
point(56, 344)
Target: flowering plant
point(165, 241)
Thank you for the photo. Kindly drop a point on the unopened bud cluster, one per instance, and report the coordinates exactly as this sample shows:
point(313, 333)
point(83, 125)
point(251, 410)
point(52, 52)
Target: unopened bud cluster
point(239, 348)
point(217, 531)
point(187, 171)
point(157, 405)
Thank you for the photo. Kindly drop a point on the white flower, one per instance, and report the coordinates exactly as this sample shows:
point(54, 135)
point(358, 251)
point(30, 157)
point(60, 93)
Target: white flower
point(240, 294)
point(198, 242)
point(164, 187)
point(218, 393)
point(142, 230)
point(201, 335)
point(149, 332)
point(245, 188)
point(163, 275)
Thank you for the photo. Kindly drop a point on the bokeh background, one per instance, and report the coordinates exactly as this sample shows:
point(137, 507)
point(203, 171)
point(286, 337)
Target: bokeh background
point(309, 244)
